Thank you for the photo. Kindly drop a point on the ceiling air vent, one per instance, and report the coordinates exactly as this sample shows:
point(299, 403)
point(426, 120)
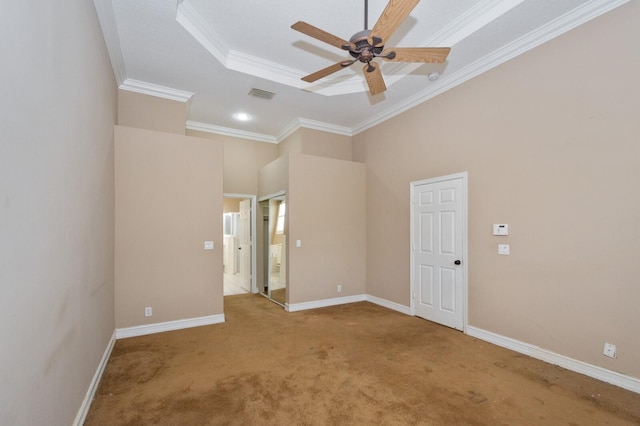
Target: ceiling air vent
point(261, 93)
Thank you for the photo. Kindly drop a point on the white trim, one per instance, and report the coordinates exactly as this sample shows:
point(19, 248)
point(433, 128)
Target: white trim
point(288, 130)
point(104, 10)
point(142, 330)
point(93, 386)
point(203, 33)
point(262, 68)
point(296, 124)
point(228, 131)
point(464, 176)
point(473, 19)
point(272, 195)
point(155, 90)
point(325, 127)
point(403, 309)
point(195, 25)
point(306, 123)
point(626, 382)
point(325, 303)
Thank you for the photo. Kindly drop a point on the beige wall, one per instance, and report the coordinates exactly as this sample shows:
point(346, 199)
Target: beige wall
point(292, 144)
point(316, 142)
point(274, 177)
point(151, 112)
point(57, 113)
point(168, 202)
point(323, 144)
point(326, 211)
point(553, 151)
point(242, 160)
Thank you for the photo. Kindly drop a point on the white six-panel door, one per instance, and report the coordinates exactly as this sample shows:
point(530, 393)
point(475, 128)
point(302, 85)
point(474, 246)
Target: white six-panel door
point(438, 246)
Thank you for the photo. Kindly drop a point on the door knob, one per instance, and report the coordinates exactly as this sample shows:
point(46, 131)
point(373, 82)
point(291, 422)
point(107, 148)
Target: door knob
point(457, 262)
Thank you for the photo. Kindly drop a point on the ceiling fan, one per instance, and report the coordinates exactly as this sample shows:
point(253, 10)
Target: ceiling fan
point(366, 45)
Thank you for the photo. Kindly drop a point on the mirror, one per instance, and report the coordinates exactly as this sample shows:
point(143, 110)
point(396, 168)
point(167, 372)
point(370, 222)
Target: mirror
point(275, 249)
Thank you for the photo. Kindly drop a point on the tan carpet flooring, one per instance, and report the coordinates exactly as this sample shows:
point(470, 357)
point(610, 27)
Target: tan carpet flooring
point(356, 364)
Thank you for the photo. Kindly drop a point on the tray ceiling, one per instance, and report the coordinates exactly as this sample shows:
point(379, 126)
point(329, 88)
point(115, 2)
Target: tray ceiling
point(213, 53)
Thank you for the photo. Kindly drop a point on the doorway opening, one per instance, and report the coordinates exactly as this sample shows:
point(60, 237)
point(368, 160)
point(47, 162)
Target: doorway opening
point(274, 286)
point(239, 246)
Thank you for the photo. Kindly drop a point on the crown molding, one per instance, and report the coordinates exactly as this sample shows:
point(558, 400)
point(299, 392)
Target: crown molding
point(195, 25)
point(255, 66)
point(474, 19)
point(470, 21)
point(155, 90)
point(262, 68)
point(104, 10)
point(234, 60)
point(306, 123)
point(228, 131)
point(261, 137)
point(567, 22)
point(325, 127)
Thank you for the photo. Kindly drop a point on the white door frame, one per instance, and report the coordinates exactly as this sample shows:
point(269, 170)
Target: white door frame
point(465, 237)
point(254, 264)
point(280, 195)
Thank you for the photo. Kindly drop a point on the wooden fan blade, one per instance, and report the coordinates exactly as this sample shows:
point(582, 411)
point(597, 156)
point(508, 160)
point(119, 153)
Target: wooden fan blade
point(321, 35)
point(323, 72)
point(393, 15)
point(374, 79)
point(436, 55)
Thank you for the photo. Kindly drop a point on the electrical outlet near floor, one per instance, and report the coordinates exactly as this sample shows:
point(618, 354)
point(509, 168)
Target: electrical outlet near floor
point(148, 312)
point(339, 288)
point(609, 350)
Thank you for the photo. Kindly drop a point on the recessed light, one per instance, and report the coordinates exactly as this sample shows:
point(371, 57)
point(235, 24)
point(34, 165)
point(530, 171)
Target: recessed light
point(242, 116)
point(433, 76)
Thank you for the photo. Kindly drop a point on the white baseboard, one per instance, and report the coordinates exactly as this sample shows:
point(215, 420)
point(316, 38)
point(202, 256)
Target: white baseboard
point(389, 304)
point(349, 299)
point(625, 382)
point(141, 330)
point(325, 302)
point(93, 386)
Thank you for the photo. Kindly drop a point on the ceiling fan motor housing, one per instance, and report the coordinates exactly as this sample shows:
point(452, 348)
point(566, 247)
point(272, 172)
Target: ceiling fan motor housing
point(364, 51)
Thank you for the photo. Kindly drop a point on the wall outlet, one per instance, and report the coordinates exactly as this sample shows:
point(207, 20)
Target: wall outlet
point(609, 350)
point(339, 288)
point(148, 312)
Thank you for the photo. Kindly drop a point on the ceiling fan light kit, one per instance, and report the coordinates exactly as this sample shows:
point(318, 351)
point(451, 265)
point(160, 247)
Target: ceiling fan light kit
point(366, 45)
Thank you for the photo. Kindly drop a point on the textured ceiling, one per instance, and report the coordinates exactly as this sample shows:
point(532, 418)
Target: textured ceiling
point(212, 53)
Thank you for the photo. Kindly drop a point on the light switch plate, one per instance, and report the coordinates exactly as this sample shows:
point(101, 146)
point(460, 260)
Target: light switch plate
point(503, 248)
point(298, 243)
point(500, 229)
